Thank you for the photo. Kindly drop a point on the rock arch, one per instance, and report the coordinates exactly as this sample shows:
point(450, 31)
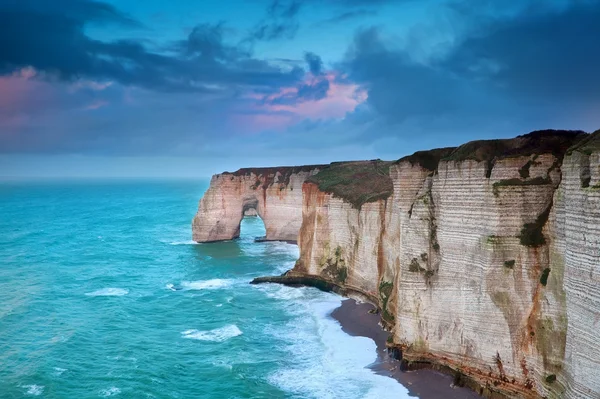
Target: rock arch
point(275, 194)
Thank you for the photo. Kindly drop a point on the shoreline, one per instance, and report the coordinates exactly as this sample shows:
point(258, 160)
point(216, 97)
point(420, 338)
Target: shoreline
point(356, 320)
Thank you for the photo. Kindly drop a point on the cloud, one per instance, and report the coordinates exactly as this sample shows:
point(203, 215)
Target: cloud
point(315, 64)
point(347, 16)
point(280, 21)
point(495, 69)
point(311, 91)
point(507, 72)
point(34, 34)
point(552, 54)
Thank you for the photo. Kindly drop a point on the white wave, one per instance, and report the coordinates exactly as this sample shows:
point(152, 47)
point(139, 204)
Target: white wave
point(58, 371)
point(212, 284)
point(109, 292)
point(112, 391)
point(321, 365)
point(186, 242)
point(216, 335)
point(34, 390)
point(282, 292)
point(170, 287)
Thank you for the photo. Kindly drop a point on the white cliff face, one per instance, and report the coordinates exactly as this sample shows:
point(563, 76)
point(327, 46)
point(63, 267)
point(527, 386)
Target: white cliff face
point(336, 238)
point(470, 292)
point(275, 194)
point(490, 272)
point(491, 268)
point(576, 249)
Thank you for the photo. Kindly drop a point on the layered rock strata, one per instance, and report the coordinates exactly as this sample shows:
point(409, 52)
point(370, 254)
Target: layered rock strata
point(484, 259)
point(275, 194)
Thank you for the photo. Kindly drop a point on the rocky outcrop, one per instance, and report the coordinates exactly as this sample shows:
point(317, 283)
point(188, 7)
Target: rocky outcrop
point(274, 193)
point(484, 259)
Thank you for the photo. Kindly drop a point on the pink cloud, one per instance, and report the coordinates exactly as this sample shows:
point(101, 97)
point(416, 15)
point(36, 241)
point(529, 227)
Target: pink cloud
point(268, 114)
point(17, 92)
point(90, 84)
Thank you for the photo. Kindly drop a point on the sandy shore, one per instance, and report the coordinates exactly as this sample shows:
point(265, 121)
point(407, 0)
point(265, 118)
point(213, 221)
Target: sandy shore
point(426, 384)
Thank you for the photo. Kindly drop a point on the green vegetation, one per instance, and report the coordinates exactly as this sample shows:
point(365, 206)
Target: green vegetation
point(268, 174)
point(531, 233)
point(509, 264)
point(587, 145)
point(385, 288)
point(424, 257)
point(429, 274)
point(433, 237)
point(414, 266)
point(427, 159)
point(334, 266)
point(356, 182)
point(551, 378)
point(492, 239)
point(544, 277)
point(538, 181)
point(342, 274)
point(539, 142)
point(385, 292)
point(524, 170)
point(585, 181)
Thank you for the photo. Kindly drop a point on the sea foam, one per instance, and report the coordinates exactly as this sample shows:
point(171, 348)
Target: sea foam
point(216, 335)
point(34, 390)
point(109, 292)
point(212, 284)
point(186, 242)
point(321, 365)
point(112, 391)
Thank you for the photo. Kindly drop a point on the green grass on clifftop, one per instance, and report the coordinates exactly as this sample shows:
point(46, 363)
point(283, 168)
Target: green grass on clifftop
point(556, 142)
point(427, 159)
point(356, 182)
point(268, 174)
point(588, 145)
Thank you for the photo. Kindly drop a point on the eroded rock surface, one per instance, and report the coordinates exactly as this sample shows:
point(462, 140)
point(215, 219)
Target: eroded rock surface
point(274, 193)
point(484, 258)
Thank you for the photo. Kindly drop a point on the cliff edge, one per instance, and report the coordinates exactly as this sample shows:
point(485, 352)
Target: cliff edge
point(483, 259)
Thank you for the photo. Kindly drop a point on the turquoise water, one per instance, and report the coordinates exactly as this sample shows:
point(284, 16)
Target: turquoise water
point(103, 294)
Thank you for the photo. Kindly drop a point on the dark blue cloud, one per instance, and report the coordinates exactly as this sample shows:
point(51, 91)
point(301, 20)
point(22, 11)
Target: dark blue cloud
point(548, 55)
point(280, 21)
point(531, 68)
point(347, 16)
point(34, 34)
point(315, 64)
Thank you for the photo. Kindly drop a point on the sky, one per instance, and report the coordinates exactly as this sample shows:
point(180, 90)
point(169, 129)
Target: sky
point(189, 88)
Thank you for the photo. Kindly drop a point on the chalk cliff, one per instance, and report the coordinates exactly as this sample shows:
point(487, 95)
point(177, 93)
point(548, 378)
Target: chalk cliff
point(274, 193)
point(484, 259)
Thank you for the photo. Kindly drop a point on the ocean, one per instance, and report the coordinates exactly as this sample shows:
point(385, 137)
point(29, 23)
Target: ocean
point(103, 294)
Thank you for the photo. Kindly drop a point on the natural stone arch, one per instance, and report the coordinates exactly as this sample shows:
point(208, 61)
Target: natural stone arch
point(275, 194)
